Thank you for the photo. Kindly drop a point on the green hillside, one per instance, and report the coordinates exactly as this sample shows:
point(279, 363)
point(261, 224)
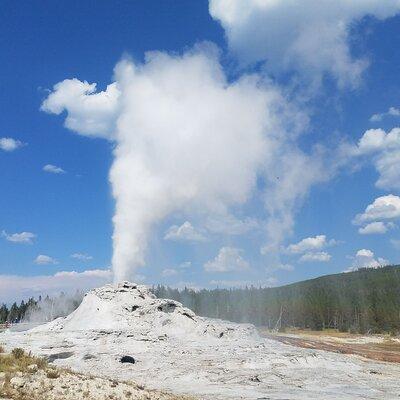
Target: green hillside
point(367, 300)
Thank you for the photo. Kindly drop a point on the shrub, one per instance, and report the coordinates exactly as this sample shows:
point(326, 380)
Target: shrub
point(41, 363)
point(18, 353)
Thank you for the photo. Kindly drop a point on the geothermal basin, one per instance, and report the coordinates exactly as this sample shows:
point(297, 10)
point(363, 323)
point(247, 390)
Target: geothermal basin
point(168, 347)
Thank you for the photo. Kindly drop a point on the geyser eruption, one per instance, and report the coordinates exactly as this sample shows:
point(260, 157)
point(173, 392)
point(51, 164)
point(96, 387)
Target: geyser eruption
point(186, 140)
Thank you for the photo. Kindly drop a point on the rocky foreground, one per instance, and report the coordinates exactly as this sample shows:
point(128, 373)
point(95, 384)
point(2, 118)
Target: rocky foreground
point(67, 385)
point(124, 333)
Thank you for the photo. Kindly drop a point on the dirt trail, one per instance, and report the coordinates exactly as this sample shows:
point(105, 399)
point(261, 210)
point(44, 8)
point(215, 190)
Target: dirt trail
point(385, 351)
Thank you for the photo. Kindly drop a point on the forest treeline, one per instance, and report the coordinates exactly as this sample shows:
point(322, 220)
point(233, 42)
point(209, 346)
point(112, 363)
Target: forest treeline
point(40, 310)
point(367, 300)
point(16, 312)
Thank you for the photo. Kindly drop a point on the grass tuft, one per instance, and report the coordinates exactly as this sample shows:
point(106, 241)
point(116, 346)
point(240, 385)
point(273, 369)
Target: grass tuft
point(18, 361)
point(18, 353)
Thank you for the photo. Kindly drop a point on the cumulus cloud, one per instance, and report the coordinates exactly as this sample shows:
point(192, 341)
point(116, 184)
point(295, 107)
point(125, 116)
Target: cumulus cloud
point(81, 257)
point(23, 237)
point(16, 288)
point(365, 258)
point(377, 227)
point(310, 244)
point(43, 259)
point(10, 144)
point(383, 208)
point(308, 36)
point(189, 141)
point(229, 259)
point(185, 232)
point(319, 256)
point(88, 113)
point(53, 169)
point(393, 111)
point(384, 150)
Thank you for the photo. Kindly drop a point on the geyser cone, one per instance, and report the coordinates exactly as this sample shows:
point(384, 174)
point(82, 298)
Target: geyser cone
point(132, 308)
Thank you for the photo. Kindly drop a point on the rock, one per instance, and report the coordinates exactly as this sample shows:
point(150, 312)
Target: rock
point(128, 359)
point(33, 368)
point(17, 382)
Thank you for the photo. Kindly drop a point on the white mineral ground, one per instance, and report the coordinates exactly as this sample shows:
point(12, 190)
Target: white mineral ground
point(179, 352)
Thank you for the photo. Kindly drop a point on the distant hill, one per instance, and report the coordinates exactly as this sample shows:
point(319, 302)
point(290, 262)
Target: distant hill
point(367, 300)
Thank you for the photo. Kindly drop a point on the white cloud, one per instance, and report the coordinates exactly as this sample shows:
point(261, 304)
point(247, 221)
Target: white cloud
point(384, 207)
point(185, 232)
point(43, 259)
point(268, 282)
point(23, 237)
point(384, 150)
point(365, 258)
point(88, 113)
point(167, 272)
point(319, 256)
point(308, 36)
point(378, 228)
point(228, 259)
point(53, 169)
point(10, 144)
point(393, 111)
point(228, 224)
point(16, 288)
point(188, 140)
point(311, 243)
point(81, 257)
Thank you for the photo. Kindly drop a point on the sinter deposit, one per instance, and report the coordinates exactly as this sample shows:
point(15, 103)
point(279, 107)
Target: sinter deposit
point(134, 309)
point(123, 332)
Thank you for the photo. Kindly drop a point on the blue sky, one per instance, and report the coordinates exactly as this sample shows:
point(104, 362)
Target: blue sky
point(57, 201)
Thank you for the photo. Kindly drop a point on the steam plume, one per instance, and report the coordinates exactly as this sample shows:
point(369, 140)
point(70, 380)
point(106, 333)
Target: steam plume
point(187, 140)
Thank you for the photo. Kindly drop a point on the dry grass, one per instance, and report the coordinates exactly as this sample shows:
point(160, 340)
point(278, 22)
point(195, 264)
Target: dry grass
point(388, 345)
point(18, 361)
point(13, 363)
